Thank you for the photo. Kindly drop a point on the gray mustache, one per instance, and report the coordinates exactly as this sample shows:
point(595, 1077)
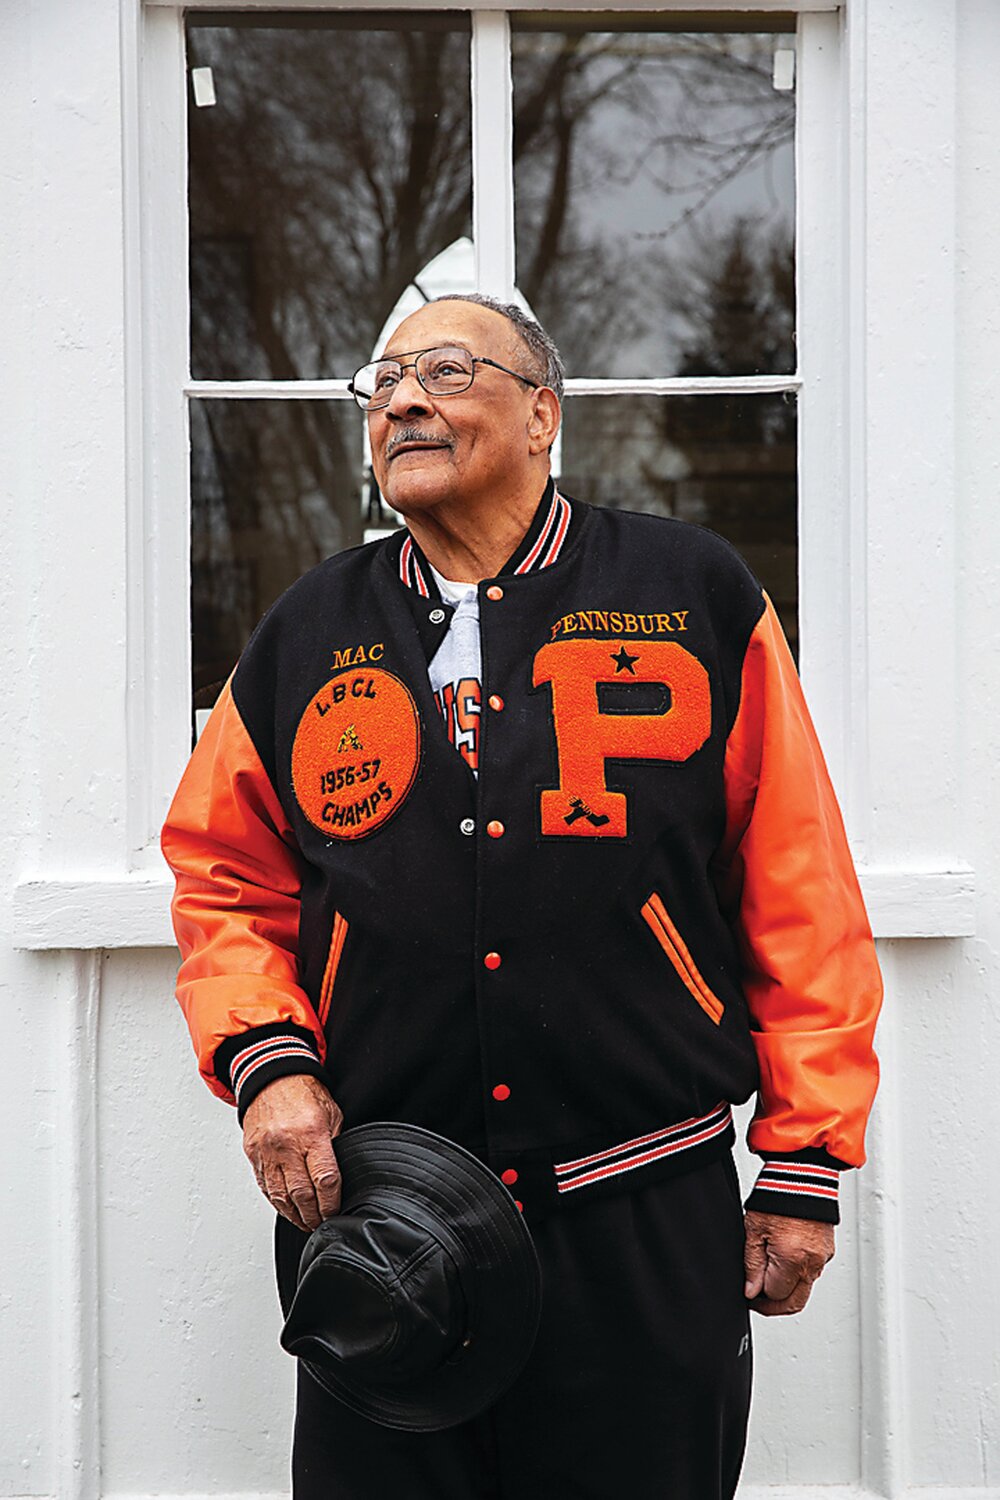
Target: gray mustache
point(413, 435)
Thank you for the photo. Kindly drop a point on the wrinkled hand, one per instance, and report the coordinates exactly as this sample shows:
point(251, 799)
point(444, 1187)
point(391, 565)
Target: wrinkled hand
point(287, 1136)
point(783, 1257)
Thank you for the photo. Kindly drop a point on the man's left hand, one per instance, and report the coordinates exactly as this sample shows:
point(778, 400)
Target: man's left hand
point(783, 1257)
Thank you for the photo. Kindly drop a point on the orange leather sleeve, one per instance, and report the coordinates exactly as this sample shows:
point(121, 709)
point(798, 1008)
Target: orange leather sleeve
point(787, 880)
point(236, 905)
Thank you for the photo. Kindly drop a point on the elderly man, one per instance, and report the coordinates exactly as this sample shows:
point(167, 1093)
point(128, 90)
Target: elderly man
point(515, 826)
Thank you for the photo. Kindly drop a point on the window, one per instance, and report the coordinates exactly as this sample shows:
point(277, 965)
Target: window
point(855, 477)
point(343, 168)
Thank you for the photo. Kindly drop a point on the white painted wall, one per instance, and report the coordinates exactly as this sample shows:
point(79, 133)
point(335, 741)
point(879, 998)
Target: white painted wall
point(137, 1316)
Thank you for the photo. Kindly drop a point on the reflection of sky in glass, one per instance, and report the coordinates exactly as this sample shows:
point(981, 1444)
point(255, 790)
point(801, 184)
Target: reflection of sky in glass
point(671, 152)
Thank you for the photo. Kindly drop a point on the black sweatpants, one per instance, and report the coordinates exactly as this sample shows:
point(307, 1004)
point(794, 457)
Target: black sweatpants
point(638, 1387)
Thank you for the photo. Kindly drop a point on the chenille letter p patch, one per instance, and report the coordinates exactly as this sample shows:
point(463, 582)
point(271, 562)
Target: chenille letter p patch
point(587, 737)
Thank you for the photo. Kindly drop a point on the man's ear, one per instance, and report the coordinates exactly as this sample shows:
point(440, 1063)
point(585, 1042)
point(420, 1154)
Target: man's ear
point(543, 424)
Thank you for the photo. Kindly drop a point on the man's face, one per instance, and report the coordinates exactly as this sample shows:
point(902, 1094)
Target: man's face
point(430, 449)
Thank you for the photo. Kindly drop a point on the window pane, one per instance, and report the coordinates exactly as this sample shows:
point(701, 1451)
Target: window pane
point(726, 462)
point(654, 194)
point(333, 168)
point(276, 486)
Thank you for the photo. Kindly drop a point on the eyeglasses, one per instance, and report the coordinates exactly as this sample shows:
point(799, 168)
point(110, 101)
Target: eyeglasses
point(441, 372)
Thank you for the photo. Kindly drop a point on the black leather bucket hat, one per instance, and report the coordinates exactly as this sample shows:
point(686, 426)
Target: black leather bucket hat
point(417, 1305)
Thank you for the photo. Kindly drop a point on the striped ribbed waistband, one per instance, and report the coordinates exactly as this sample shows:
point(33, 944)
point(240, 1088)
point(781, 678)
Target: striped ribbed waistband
point(643, 1150)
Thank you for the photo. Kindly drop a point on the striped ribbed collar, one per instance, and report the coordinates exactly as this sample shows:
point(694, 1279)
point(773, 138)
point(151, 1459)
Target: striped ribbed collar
point(540, 546)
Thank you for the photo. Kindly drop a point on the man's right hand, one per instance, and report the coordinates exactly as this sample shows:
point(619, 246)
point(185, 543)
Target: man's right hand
point(287, 1135)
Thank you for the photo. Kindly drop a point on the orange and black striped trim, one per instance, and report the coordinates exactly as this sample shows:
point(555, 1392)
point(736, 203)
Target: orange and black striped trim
point(674, 946)
point(642, 1150)
point(800, 1185)
point(541, 546)
point(338, 937)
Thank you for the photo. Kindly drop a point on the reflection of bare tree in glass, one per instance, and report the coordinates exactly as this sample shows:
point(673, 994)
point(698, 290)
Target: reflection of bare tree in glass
point(734, 300)
point(558, 269)
point(590, 130)
point(339, 161)
point(725, 80)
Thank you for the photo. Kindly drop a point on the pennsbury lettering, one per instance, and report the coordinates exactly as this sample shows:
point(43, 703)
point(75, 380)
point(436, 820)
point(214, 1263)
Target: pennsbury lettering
point(615, 622)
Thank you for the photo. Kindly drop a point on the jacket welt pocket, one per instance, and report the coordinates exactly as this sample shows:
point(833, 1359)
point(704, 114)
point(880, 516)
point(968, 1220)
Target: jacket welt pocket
point(337, 937)
point(674, 946)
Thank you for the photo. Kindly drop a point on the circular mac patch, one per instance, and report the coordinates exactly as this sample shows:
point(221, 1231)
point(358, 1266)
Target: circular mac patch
point(356, 753)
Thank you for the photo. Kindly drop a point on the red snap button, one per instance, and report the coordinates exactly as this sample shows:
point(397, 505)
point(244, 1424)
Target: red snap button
point(509, 1177)
point(495, 829)
point(519, 1205)
point(494, 592)
point(495, 702)
point(501, 1092)
point(493, 960)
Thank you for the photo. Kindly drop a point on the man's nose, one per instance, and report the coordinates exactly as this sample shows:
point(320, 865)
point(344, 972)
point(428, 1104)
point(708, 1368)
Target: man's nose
point(408, 397)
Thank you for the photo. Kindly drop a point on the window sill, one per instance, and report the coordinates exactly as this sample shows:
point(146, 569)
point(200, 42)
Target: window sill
point(133, 911)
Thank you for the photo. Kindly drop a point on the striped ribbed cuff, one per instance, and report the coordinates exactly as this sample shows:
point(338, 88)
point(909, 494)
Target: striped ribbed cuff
point(249, 1062)
point(800, 1185)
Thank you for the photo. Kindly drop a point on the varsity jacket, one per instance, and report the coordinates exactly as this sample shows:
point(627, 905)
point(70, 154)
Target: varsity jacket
point(642, 911)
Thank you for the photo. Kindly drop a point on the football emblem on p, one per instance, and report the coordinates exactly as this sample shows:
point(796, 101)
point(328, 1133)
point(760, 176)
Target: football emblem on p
point(356, 753)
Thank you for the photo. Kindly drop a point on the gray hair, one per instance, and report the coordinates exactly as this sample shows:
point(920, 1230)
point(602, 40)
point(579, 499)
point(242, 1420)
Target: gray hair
point(546, 361)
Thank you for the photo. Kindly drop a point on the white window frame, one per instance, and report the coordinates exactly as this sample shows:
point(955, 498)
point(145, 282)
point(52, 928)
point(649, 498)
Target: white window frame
point(129, 908)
